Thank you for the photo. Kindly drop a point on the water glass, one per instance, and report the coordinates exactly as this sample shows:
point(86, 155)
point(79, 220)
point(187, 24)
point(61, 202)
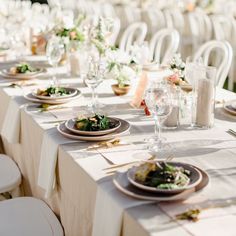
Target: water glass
point(159, 103)
point(54, 51)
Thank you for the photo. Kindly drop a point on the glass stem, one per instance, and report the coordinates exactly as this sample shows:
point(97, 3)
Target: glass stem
point(94, 98)
point(54, 77)
point(157, 128)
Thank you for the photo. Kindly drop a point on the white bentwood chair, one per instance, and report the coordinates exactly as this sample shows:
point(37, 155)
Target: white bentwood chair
point(10, 176)
point(27, 216)
point(223, 54)
point(232, 74)
point(163, 45)
point(135, 33)
point(115, 31)
point(155, 20)
point(200, 28)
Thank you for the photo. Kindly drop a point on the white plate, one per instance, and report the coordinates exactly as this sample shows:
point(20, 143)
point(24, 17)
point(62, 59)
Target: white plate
point(195, 179)
point(122, 184)
point(70, 125)
point(72, 92)
point(230, 107)
point(30, 75)
point(124, 128)
point(30, 97)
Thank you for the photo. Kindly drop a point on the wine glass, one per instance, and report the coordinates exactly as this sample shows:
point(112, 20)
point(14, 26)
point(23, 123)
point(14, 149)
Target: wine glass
point(159, 102)
point(54, 51)
point(93, 79)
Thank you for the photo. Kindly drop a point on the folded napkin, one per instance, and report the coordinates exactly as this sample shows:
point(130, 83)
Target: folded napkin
point(109, 208)
point(124, 154)
point(48, 160)
point(11, 124)
point(138, 96)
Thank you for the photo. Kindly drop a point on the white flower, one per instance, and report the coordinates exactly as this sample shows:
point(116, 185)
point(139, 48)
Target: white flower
point(118, 56)
point(126, 74)
point(113, 73)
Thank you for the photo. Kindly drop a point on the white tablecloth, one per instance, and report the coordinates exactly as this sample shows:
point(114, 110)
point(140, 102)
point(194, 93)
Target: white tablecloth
point(79, 173)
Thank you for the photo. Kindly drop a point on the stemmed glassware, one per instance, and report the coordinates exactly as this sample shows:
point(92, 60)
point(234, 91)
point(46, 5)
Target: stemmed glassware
point(54, 51)
point(93, 79)
point(159, 102)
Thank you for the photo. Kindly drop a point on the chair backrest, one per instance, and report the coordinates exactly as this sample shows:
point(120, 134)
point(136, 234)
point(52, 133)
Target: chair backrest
point(200, 26)
point(223, 53)
point(222, 26)
point(107, 10)
point(174, 19)
point(115, 32)
point(163, 45)
point(155, 20)
point(135, 33)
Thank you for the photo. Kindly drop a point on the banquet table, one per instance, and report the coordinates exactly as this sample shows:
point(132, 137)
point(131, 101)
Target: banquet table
point(85, 199)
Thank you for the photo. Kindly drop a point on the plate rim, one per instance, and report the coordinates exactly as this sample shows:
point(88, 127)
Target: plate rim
point(52, 102)
point(20, 75)
point(227, 109)
point(58, 98)
point(88, 133)
point(168, 198)
point(165, 191)
point(93, 138)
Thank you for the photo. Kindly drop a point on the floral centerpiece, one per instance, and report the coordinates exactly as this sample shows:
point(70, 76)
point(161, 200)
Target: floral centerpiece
point(121, 68)
point(177, 66)
point(72, 37)
point(99, 35)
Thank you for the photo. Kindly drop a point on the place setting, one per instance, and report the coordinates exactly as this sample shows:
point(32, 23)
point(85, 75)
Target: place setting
point(22, 71)
point(53, 95)
point(157, 180)
point(96, 128)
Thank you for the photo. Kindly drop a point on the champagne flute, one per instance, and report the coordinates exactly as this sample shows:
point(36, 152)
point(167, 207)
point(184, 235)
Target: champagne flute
point(159, 102)
point(54, 51)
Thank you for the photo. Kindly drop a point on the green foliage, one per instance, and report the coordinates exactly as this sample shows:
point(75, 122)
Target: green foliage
point(95, 123)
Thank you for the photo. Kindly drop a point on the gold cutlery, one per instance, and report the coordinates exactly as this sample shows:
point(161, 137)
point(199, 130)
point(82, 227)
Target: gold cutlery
point(47, 107)
point(112, 169)
point(232, 132)
point(108, 144)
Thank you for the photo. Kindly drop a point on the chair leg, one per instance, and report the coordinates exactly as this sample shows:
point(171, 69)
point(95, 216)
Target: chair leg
point(231, 78)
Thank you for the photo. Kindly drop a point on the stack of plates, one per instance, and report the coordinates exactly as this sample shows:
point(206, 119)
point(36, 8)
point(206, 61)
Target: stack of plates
point(23, 76)
point(126, 183)
point(69, 130)
point(230, 107)
point(72, 94)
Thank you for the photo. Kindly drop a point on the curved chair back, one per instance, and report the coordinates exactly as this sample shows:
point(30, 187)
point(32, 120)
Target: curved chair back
point(200, 25)
point(163, 45)
point(135, 33)
point(115, 31)
point(174, 19)
point(222, 26)
point(223, 53)
point(155, 20)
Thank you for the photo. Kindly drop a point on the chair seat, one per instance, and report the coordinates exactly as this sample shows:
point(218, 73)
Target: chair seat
point(10, 176)
point(27, 216)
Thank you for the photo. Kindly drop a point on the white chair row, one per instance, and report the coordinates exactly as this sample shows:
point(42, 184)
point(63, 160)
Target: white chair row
point(165, 43)
point(23, 216)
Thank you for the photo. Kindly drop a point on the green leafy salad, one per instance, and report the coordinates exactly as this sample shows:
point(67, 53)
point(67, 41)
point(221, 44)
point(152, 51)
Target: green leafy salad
point(22, 69)
point(53, 91)
point(162, 175)
point(94, 123)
